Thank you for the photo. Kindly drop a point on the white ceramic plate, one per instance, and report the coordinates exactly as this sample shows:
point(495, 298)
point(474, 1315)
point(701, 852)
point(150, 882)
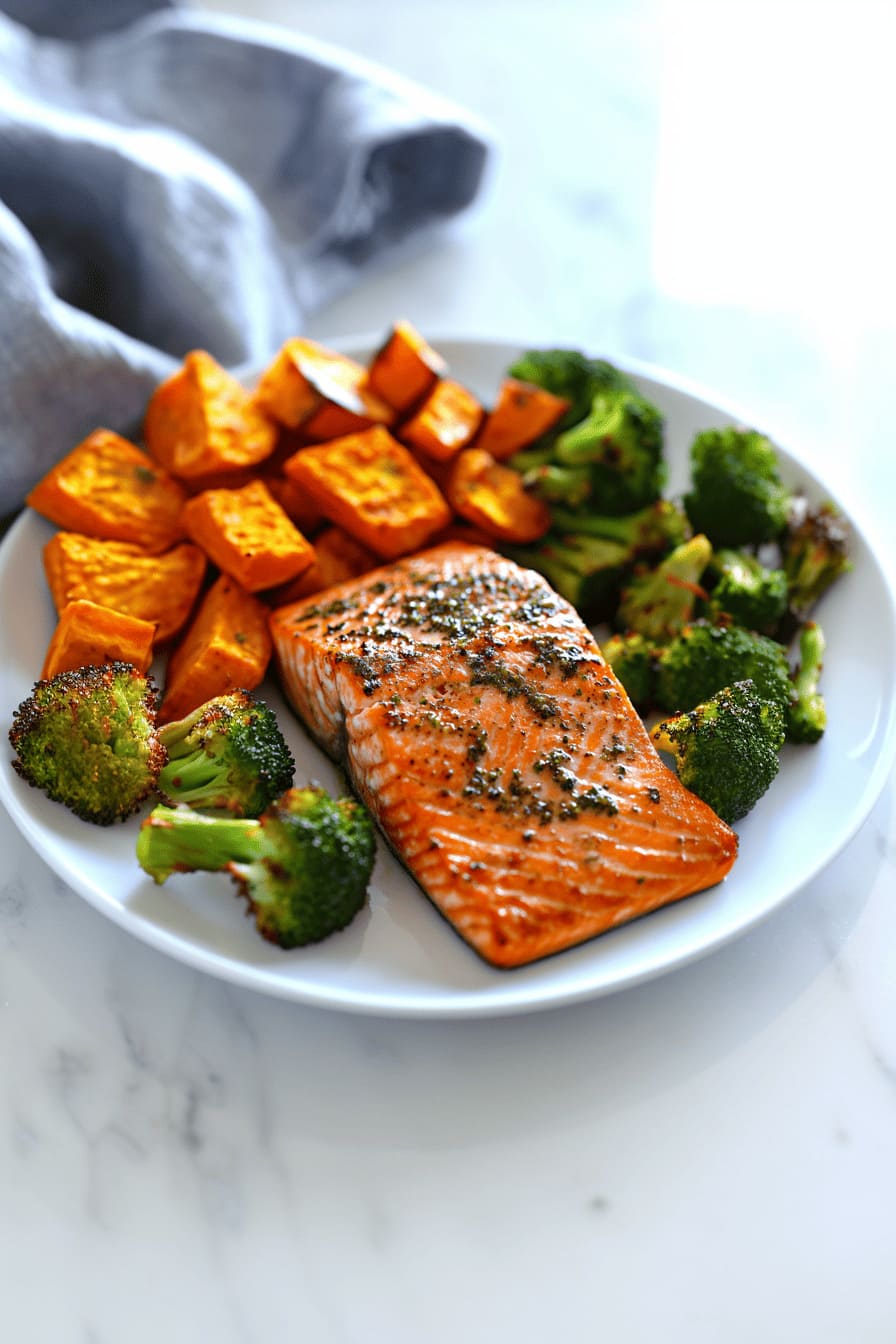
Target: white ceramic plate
point(399, 957)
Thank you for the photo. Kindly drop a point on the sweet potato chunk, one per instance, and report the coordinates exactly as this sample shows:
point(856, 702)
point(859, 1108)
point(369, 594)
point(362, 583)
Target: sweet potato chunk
point(160, 589)
point(295, 503)
point(404, 368)
point(247, 534)
point(108, 487)
point(371, 486)
point(226, 647)
point(492, 496)
point(202, 424)
point(445, 422)
point(324, 392)
point(88, 635)
point(337, 556)
point(521, 415)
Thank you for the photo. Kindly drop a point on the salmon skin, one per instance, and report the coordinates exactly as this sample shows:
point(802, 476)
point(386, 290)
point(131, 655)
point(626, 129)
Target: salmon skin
point(497, 751)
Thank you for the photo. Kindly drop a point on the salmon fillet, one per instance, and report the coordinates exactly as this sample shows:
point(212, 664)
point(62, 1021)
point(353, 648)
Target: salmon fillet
point(497, 751)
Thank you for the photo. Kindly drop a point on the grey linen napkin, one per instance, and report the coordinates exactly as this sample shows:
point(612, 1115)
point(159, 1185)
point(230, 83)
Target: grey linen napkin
point(186, 181)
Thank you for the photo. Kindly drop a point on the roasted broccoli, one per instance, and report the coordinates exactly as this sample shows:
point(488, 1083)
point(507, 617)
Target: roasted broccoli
point(705, 658)
point(88, 739)
point(631, 657)
point(228, 754)
point(570, 374)
point(815, 553)
point(587, 558)
point(807, 713)
point(747, 592)
point(726, 749)
point(303, 866)
point(620, 442)
point(737, 497)
point(659, 602)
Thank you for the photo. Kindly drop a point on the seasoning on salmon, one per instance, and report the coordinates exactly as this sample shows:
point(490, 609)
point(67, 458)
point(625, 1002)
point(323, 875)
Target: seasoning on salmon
point(499, 754)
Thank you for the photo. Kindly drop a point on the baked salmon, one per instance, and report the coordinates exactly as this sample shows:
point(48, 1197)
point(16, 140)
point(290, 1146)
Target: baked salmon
point(499, 754)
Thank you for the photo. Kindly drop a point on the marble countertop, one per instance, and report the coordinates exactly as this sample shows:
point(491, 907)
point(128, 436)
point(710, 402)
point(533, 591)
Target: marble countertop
point(707, 1157)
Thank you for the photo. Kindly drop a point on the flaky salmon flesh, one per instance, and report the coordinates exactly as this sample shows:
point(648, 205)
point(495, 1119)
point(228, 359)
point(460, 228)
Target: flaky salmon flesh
point(500, 756)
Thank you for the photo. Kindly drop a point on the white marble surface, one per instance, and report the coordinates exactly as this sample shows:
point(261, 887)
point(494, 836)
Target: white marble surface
point(710, 1157)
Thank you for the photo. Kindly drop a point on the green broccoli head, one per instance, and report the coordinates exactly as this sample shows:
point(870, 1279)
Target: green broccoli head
point(726, 750)
point(620, 442)
point(815, 553)
point(587, 571)
point(228, 754)
point(659, 602)
point(303, 866)
point(570, 374)
point(631, 657)
point(737, 497)
point(807, 715)
point(88, 739)
point(587, 556)
point(705, 658)
point(747, 592)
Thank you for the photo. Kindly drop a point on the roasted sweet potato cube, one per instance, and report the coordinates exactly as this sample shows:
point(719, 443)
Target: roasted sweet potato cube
point(295, 503)
point(492, 496)
point(248, 536)
point(370, 485)
point(226, 647)
point(108, 487)
point(88, 635)
point(160, 589)
point(337, 556)
point(324, 392)
point(404, 368)
point(522, 413)
point(201, 423)
point(444, 423)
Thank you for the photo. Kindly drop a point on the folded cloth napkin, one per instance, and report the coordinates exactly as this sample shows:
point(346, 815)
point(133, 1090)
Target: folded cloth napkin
point(188, 181)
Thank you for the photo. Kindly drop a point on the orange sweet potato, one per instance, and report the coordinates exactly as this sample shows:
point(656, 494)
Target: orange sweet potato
point(160, 589)
point(201, 423)
point(444, 423)
point(404, 368)
point(226, 647)
point(108, 487)
point(371, 486)
point(521, 415)
point(247, 534)
point(337, 556)
point(88, 635)
point(295, 503)
point(493, 497)
point(324, 392)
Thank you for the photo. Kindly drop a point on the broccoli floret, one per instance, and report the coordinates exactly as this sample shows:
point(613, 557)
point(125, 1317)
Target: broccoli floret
point(555, 484)
point(303, 866)
point(570, 374)
point(587, 562)
point(807, 714)
point(650, 531)
point(661, 601)
point(737, 497)
point(705, 658)
point(88, 739)
point(747, 592)
point(620, 442)
point(228, 754)
point(631, 657)
point(587, 571)
point(726, 749)
point(815, 553)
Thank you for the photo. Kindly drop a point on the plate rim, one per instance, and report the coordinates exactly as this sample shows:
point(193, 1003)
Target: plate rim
point(528, 997)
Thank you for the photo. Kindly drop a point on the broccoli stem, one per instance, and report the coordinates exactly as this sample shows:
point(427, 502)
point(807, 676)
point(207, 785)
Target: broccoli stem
point(191, 777)
point(177, 839)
